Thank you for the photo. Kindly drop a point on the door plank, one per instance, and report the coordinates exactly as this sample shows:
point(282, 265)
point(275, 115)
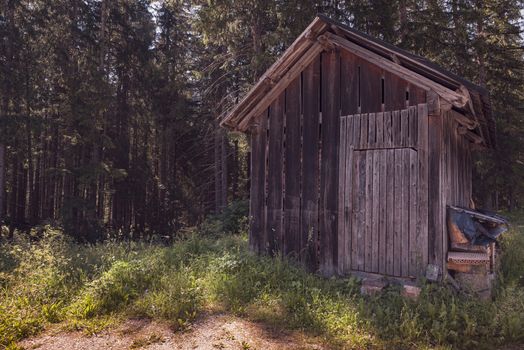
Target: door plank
point(390, 199)
point(376, 211)
point(349, 194)
point(342, 193)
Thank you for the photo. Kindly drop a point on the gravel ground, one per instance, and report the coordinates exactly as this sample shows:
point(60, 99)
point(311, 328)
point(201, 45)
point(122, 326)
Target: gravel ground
point(209, 333)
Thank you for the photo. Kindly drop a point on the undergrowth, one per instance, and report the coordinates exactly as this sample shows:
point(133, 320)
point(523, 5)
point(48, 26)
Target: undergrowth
point(90, 287)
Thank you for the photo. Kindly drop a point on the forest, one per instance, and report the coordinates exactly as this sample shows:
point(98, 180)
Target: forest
point(109, 109)
point(124, 205)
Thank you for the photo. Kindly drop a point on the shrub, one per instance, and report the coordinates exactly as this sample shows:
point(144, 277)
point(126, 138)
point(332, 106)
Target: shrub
point(92, 286)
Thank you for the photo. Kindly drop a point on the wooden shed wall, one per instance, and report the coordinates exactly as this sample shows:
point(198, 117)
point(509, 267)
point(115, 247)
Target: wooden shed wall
point(295, 154)
point(452, 180)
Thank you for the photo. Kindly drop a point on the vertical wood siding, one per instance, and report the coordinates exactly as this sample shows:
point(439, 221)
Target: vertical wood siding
point(382, 177)
point(341, 171)
point(330, 109)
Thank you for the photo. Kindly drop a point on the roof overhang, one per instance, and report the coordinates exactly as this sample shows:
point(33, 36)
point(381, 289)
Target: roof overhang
point(444, 89)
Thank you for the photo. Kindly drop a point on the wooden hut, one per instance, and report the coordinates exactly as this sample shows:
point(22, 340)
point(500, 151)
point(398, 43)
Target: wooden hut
point(357, 147)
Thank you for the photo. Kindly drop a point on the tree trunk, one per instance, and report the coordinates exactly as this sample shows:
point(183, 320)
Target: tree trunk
point(2, 182)
point(236, 170)
point(218, 182)
point(403, 19)
point(223, 169)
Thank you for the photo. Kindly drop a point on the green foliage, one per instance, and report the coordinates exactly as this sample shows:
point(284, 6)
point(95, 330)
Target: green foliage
point(232, 219)
point(90, 287)
point(512, 266)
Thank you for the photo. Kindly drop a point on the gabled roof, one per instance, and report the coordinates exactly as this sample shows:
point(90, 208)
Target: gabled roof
point(460, 94)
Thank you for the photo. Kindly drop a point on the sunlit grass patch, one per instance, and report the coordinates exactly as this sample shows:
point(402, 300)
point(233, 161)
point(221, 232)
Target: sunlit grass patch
point(91, 287)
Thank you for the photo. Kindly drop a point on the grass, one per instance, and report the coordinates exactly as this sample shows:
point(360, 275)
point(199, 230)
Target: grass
point(54, 280)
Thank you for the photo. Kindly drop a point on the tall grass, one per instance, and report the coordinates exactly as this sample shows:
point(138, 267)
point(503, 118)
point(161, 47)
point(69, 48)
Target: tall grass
point(55, 280)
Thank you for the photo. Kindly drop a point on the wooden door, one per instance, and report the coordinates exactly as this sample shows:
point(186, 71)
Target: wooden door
point(383, 183)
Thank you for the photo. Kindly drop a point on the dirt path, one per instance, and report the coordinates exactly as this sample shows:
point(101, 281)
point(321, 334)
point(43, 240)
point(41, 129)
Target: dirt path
point(211, 333)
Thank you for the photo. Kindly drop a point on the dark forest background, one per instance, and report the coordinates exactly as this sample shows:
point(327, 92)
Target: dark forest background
point(109, 108)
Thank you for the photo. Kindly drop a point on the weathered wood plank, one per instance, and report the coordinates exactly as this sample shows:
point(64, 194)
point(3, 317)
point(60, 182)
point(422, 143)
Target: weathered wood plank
point(405, 210)
point(415, 256)
point(390, 205)
point(388, 130)
point(394, 92)
point(356, 200)
point(397, 227)
point(310, 164)
point(435, 228)
point(349, 194)
point(342, 192)
point(416, 95)
point(257, 201)
point(368, 235)
point(413, 127)
point(356, 131)
point(372, 130)
point(364, 119)
point(379, 121)
point(329, 164)
point(404, 129)
point(275, 170)
point(370, 87)
point(382, 199)
point(375, 234)
point(396, 128)
point(422, 114)
point(292, 163)
point(348, 83)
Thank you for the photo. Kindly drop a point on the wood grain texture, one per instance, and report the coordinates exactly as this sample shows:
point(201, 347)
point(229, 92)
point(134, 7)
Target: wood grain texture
point(368, 233)
point(382, 201)
point(390, 207)
point(348, 195)
point(413, 126)
point(275, 171)
point(359, 180)
point(257, 202)
point(395, 129)
point(394, 92)
point(364, 121)
point(435, 228)
point(348, 84)
point(329, 161)
point(370, 87)
point(310, 163)
point(292, 164)
point(423, 170)
point(342, 193)
point(388, 130)
point(379, 135)
point(375, 221)
point(404, 129)
point(406, 175)
point(415, 256)
point(397, 209)
point(372, 130)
